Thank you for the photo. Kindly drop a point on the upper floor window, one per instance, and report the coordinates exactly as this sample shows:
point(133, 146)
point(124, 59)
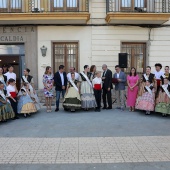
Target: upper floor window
point(10, 5)
point(129, 5)
point(64, 5)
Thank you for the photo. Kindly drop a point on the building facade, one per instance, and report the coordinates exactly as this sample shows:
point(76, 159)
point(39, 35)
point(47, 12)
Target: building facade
point(79, 32)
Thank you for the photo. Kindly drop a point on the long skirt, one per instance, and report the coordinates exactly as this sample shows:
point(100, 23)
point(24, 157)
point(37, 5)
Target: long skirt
point(162, 103)
point(146, 102)
point(131, 96)
point(26, 105)
point(72, 99)
point(6, 111)
point(87, 96)
point(35, 97)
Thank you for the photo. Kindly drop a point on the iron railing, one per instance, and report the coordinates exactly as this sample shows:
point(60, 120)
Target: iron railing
point(145, 6)
point(36, 6)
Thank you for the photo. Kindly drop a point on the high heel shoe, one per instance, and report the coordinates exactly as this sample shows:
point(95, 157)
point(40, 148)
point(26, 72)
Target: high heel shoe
point(130, 109)
point(133, 109)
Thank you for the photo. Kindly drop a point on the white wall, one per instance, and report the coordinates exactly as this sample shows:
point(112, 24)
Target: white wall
point(46, 35)
point(101, 44)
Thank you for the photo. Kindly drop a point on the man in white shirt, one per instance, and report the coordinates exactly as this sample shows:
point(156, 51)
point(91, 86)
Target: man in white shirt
point(10, 74)
point(158, 73)
point(72, 70)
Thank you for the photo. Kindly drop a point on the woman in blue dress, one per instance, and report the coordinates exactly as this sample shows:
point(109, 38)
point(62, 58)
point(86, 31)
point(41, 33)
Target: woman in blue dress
point(26, 104)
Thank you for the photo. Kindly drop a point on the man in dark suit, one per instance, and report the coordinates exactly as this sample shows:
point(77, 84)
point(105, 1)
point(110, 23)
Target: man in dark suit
point(60, 79)
point(107, 86)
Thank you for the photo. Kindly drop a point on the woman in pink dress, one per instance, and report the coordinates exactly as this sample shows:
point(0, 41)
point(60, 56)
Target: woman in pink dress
point(132, 81)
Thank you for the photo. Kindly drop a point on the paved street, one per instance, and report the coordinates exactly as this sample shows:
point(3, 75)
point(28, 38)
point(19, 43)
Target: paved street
point(86, 140)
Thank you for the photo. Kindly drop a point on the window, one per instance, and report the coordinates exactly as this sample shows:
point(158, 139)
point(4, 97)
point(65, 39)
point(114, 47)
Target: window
point(15, 5)
point(136, 55)
point(129, 5)
point(3, 6)
point(64, 5)
point(11, 6)
point(65, 54)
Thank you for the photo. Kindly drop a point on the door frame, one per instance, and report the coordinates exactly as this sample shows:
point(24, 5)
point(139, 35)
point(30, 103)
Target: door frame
point(53, 53)
point(144, 51)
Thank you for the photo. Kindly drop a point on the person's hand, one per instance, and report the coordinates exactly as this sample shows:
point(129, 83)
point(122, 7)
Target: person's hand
point(14, 100)
point(131, 88)
point(103, 78)
point(63, 87)
point(108, 89)
point(119, 80)
point(4, 102)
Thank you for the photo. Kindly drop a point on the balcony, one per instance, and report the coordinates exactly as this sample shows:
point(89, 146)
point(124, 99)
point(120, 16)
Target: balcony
point(138, 12)
point(44, 12)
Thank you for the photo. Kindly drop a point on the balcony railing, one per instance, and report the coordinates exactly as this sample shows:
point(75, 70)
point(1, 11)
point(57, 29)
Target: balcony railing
point(37, 6)
point(143, 6)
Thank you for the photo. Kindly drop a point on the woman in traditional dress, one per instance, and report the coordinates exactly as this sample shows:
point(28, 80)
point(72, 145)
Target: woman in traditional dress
point(87, 94)
point(6, 111)
point(145, 77)
point(147, 100)
point(72, 99)
point(26, 104)
point(163, 99)
point(3, 78)
point(26, 78)
point(48, 81)
point(165, 75)
point(93, 71)
point(132, 81)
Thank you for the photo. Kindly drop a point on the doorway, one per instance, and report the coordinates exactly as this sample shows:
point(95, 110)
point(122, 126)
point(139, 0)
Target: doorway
point(136, 56)
point(65, 53)
point(13, 54)
point(18, 62)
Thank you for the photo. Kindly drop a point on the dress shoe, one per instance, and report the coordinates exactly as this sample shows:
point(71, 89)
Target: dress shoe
point(109, 108)
point(122, 109)
point(104, 108)
point(118, 107)
point(57, 109)
point(16, 117)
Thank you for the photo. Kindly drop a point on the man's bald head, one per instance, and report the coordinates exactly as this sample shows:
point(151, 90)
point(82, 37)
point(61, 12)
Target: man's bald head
point(104, 67)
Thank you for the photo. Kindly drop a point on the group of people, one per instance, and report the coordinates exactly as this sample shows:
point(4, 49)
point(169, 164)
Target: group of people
point(14, 102)
point(84, 90)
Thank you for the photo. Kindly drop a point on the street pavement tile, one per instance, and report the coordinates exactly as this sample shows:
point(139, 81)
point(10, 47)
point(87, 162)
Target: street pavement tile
point(80, 150)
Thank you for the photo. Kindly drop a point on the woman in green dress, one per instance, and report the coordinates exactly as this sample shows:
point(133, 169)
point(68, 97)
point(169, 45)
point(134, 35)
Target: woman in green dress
point(6, 111)
point(72, 99)
point(163, 99)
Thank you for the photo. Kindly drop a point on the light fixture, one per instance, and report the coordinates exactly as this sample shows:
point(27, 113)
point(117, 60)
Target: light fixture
point(43, 50)
point(14, 61)
point(0, 60)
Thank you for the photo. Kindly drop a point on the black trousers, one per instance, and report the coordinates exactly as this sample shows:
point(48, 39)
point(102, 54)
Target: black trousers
point(14, 105)
point(97, 94)
point(109, 98)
